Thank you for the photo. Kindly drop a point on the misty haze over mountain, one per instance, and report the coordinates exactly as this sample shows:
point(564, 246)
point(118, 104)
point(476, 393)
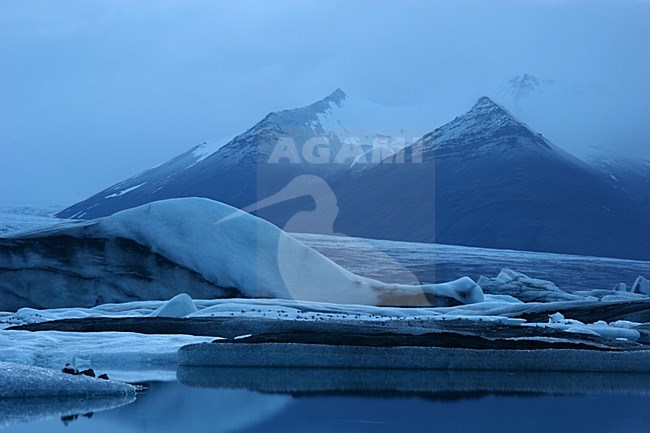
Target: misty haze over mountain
point(93, 93)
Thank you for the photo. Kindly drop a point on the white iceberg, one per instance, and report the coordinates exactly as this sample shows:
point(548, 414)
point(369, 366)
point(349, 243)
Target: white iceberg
point(641, 285)
point(179, 306)
point(212, 249)
point(616, 330)
point(525, 288)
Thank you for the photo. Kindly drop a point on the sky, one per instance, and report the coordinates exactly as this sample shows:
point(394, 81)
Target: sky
point(93, 92)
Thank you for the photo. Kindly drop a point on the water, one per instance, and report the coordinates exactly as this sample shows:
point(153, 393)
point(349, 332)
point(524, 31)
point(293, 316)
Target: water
point(175, 407)
point(247, 400)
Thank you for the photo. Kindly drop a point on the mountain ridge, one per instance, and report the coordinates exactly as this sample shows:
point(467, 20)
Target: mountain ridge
point(484, 179)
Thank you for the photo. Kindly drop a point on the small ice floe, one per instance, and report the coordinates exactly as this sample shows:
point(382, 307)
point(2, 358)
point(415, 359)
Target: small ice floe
point(641, 285)
point(624, 324)
point(124, 355)
point(179, 306)
point(607, 331)
point(21, 381)
point(525, 288)
point(620, 287)
point(620, 330)
point(240, 337)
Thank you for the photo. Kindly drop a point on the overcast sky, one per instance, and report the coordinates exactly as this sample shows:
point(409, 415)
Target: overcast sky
point(92, 92)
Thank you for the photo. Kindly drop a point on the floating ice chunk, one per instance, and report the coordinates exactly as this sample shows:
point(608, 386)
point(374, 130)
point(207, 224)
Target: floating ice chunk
point(28, 315)
point(556, 318)
point(602, 329)
point(581, 329)
point(622, 296)
point(615, 333)
point(641, 285)
point(625, 324)
point(20, 381)
point(111, 352)
point(31, 315)
point(524, 288)
point(464, 290)
point(502, 298)
point(239, 337)
point(620, 287)
point(179, 306)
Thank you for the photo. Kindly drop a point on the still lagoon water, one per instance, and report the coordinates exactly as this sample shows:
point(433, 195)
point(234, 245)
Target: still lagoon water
point(231, 404)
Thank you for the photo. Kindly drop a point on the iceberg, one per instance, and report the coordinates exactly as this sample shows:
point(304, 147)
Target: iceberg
point(641, 285)
point(199, 246)
point(525, 288)
point(179, 306)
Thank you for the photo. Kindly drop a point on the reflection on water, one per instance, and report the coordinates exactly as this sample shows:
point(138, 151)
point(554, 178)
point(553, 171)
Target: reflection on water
point(21, 410)
point(411, 382)
point(253, 400)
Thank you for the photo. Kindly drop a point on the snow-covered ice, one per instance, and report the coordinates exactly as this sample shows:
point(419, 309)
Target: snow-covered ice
point(601, 328)
point(179, 306)
point(642, 286)
point(226, 247)
point(29, 394)
point(123, 355)
point(524, 288)
point(21, 381)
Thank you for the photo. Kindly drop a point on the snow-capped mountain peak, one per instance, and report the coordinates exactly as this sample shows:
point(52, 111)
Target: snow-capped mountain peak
point(487, 128)
point(334, 120)
point(487, 110)
point(328, 135)
point(337, 97)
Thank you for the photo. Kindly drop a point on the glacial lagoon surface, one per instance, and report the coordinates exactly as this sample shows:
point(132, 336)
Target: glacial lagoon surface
point(175, 407)
point(250, 400)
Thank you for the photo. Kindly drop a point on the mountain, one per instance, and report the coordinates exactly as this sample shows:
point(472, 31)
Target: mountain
point(343, 165)
point(486, 179)
point(575, 116)
point(520, 88)
point(630, 175)
point(319, 139)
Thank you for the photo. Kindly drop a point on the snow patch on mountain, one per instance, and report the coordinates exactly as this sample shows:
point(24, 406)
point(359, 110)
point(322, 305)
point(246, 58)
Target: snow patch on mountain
point(209, 148)
point(124, 191)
